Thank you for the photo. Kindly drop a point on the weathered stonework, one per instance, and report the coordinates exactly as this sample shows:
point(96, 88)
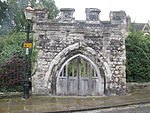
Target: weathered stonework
point(103, 42)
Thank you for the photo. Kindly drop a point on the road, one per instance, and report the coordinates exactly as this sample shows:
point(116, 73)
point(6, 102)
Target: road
point(142, 108)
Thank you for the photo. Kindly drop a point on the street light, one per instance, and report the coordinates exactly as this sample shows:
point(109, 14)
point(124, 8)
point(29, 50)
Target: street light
point(29, 12)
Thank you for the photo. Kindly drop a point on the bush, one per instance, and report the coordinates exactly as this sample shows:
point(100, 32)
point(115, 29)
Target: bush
point(11, 45)
point(138, 57)
point(12, 61)
point(11, 75)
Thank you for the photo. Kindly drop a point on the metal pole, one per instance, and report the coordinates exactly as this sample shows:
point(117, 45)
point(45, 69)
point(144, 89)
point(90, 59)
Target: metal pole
point(26, 75)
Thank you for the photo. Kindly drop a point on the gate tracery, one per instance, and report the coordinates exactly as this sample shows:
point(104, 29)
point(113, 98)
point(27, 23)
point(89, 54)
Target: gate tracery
point(78, 77)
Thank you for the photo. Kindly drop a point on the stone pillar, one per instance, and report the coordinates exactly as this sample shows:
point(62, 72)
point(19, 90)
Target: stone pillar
point(117, 52)
point(92, 14)
point(67, 13)
point(128, 23)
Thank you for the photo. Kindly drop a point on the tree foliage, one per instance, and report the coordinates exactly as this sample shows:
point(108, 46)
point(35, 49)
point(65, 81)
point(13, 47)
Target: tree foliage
point(11, 45)
point(52, 9)
point(12, 15)
point(138, 57)
point(12, 21)
point(3, 9)
point(12, 61)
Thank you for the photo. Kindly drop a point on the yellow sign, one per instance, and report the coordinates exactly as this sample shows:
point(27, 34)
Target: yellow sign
point(27, 45)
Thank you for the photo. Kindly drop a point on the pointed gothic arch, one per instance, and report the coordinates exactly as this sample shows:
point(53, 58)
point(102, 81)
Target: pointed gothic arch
point(70, 52)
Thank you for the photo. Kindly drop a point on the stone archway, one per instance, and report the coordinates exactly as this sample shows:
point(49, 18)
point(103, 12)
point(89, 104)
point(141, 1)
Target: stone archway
point(60, 39)
point(71, 52)
point(79, 76)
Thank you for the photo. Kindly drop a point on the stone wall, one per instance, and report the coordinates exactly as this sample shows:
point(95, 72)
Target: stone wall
point(133, 87)
point(101, 41)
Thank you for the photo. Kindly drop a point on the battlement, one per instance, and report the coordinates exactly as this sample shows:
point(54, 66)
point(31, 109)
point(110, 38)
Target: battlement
point(92, 15)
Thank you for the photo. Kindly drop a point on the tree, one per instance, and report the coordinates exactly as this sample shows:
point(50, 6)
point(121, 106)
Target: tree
point(13, 18)
point(5, 26)
point(3, 7)
point(52, 9)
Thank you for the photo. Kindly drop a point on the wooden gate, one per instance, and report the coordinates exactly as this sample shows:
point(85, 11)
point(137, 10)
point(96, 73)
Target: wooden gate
point(79, 77)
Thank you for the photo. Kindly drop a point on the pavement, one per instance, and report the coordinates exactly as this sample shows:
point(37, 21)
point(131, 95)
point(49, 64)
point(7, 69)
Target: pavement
point(69, 104)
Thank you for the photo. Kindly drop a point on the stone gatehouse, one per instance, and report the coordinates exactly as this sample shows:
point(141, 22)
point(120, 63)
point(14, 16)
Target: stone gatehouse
point(80, 57)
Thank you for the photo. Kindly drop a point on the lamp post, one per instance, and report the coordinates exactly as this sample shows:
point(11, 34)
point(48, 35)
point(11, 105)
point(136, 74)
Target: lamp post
point(29, 12)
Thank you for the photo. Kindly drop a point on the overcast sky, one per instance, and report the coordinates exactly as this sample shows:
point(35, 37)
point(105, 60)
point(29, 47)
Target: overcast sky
point(138, 10)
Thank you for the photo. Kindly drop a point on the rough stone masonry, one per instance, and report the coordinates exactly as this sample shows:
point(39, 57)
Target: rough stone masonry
point(103, 42)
